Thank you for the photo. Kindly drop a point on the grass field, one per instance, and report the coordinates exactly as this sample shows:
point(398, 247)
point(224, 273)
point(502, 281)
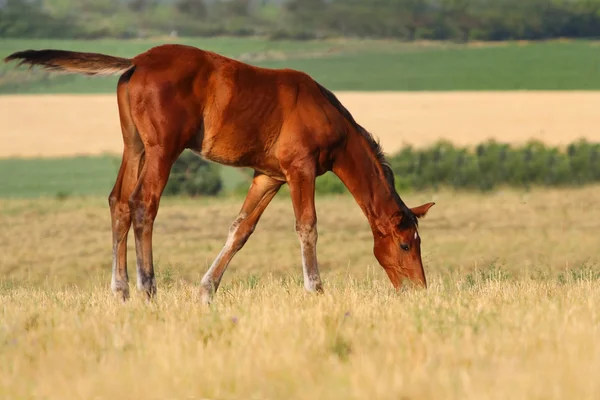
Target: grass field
point(491, 339)
point(68, 240)
point(512, 306)
point(73, 176)
point(353, 64)
point(57, 176)
point(511, 311)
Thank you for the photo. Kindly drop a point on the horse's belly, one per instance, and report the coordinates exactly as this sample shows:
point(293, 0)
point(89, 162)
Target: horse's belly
point(241, 155)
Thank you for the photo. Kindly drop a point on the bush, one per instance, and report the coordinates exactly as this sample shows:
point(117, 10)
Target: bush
point(194, 176)
point(329, 183)
point(492, 164)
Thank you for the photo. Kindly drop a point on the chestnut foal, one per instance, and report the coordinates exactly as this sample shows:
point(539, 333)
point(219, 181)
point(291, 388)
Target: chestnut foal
point(281, 123)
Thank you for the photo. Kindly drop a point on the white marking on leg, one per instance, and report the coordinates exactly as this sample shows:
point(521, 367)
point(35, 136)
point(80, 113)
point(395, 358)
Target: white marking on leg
point(209, 280)
point(137, 219)
point(117, 285)
point(113, 280)
point(145, 286)
point(308, 240)
point(140, 272)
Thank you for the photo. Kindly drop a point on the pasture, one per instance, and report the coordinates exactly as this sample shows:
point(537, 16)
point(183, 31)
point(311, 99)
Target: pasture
point(512, 306)
point(511, 310)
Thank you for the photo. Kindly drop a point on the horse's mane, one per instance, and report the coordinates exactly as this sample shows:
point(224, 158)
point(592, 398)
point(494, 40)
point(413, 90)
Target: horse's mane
point(377, 150)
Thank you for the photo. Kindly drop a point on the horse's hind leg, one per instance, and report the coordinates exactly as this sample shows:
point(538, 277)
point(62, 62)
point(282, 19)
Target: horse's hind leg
point(121, 219)
point(143, 203)
point(262, 190)
point(118, 199)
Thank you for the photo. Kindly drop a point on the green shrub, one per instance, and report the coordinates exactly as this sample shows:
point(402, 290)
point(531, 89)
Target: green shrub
point(492, 164)
point(194, 176)
point(329, 183)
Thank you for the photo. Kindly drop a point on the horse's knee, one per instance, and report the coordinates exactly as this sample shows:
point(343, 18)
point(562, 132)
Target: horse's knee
point(112, 200)
point(120, 214)
point(242, 235)
point(239, 232)
point(142, 211)
point(307, 231)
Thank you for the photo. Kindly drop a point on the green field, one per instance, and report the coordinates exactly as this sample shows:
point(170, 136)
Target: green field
point(73, 176)
point(353, 65)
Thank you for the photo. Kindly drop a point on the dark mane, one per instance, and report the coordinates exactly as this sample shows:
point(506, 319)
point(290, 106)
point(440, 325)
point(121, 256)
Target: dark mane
point(376, 148)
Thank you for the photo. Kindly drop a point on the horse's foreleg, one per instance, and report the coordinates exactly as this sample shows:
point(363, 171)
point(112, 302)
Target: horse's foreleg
point(302, 189)
point(261, 191)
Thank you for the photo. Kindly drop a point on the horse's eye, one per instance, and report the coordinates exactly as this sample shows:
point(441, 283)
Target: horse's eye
point(404, 247)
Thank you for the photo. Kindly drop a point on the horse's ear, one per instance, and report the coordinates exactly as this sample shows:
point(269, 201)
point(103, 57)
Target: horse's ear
point(396, 218)
point(421, 210)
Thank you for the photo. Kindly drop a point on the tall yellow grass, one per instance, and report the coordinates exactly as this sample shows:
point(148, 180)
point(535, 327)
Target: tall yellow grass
point(511, 312)
point(487, 339)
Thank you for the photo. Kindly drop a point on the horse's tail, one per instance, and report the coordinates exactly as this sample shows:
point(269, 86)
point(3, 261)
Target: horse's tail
point(73, 62)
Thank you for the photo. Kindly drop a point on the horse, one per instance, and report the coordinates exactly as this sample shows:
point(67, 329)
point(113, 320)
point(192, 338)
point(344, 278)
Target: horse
point(281, 123)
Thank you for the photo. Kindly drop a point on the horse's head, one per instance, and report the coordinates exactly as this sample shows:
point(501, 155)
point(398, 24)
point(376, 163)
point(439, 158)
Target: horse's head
point(398, 249)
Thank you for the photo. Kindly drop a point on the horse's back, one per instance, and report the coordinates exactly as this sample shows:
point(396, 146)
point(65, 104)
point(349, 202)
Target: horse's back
point(235, 113)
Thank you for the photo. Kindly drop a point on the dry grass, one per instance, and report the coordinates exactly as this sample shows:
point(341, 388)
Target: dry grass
point(69, 240)
point(490, 340)
point(511, 311)
point(52, 125)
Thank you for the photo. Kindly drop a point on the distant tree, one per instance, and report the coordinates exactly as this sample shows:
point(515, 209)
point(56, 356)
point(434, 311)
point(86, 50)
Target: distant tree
point(412, 14)
point(359, 18)
point(193, 8)
point(237, 8)
point(29, 19)
point(302, 19)
point(306, 14)
point(103, 7)
point(464, 14)
point(141, 5)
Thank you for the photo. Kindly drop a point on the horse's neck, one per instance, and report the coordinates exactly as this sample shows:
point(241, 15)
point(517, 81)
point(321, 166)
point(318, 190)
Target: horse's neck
point(362, 173)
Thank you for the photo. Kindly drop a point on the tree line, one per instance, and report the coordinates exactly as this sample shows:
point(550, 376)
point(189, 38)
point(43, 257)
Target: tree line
point(461, 20)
